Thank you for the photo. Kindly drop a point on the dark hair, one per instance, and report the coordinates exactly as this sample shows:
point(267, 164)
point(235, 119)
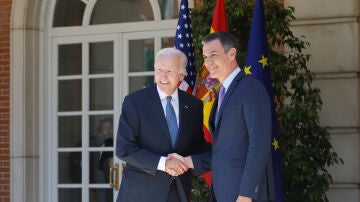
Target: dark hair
point(102, 122)
point(227, 40)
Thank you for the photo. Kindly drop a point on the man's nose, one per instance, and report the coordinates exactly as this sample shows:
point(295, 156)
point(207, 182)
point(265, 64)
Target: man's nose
point(163, 74)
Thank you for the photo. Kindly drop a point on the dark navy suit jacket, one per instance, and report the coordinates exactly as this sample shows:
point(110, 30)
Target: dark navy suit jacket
point(241, 155)
point(143, 137)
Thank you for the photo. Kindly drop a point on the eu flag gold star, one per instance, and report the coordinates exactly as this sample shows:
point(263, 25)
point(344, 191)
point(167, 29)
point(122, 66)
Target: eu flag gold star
point(247, 69)
point(263, 61)
point(275, 144)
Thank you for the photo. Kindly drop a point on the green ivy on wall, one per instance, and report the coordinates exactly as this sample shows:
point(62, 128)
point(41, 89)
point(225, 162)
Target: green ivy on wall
point(305, 145)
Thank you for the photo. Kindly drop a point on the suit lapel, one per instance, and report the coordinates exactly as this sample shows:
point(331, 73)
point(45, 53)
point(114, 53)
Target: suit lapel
point(156, 108)
point(183, 114)
point(228, 95)
point(212, 117)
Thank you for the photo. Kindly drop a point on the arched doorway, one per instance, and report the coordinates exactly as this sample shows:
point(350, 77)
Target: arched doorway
point(85, 56)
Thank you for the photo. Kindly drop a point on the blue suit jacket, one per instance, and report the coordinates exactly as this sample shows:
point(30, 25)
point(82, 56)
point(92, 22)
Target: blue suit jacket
point(143, 137)
point(241, 155)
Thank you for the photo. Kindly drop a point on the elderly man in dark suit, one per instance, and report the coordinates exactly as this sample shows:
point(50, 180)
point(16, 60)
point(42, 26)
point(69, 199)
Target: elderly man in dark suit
point(240, 122)
point(155, 122)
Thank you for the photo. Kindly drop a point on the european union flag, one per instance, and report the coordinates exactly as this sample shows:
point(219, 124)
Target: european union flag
point(257, 65)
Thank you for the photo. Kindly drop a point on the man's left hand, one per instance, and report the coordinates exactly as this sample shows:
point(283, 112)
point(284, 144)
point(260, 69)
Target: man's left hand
point(243, 199)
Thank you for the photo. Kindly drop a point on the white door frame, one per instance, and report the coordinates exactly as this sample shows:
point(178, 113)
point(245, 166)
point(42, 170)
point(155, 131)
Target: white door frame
point(30, 51)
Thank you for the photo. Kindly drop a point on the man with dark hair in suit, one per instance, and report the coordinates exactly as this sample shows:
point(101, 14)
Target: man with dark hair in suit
point(240, 123)
point(154, 122)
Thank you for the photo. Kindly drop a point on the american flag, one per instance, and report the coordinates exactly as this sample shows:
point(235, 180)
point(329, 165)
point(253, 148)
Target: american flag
point(184, 42)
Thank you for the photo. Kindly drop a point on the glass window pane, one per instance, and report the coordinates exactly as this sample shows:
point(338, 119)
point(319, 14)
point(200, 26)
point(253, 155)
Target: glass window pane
point(69, 167)
point(136, 83)
point(141, 55)
point(68, 13)
point(69, 195)
point(101, 94)
point(101, 58)
point(101, 130)
point(101, 195)
point(69, 131)
point(169, 9)
point(69, 95)
point(69, 59)
point(100, 163)
point(115, 11)
point(167, 42)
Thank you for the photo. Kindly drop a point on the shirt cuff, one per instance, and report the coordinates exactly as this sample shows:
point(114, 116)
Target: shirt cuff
point(161, 165)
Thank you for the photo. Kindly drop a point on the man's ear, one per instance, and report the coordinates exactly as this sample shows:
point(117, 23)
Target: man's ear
point(182, 75)
point(232, 53)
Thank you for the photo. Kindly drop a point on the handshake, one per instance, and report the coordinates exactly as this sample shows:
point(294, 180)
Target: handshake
point(176, 165)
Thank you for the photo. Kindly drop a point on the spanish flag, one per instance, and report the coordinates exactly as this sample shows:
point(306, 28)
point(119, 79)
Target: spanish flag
point(207, 87)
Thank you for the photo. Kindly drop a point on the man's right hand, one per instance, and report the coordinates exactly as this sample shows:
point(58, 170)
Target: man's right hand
point(175, 167)
point(186, 160)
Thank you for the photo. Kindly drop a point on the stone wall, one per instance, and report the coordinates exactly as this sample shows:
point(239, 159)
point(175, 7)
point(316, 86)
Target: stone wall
point(332, 28)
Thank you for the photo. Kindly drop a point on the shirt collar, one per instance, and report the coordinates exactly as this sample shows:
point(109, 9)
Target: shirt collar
point(230, 78)
point(175, 95)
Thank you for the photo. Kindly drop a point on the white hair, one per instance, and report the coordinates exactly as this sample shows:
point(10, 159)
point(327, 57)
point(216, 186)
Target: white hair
point(174, 51)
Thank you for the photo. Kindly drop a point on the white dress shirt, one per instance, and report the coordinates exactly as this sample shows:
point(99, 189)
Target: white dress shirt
point(230, 78)
point(175, 104)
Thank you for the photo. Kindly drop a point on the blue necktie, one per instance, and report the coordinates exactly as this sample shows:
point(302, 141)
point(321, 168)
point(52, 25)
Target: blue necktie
point(171, 120)
point(221, 97)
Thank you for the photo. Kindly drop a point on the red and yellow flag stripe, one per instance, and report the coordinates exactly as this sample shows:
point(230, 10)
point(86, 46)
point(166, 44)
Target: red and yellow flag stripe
point(207, 87)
